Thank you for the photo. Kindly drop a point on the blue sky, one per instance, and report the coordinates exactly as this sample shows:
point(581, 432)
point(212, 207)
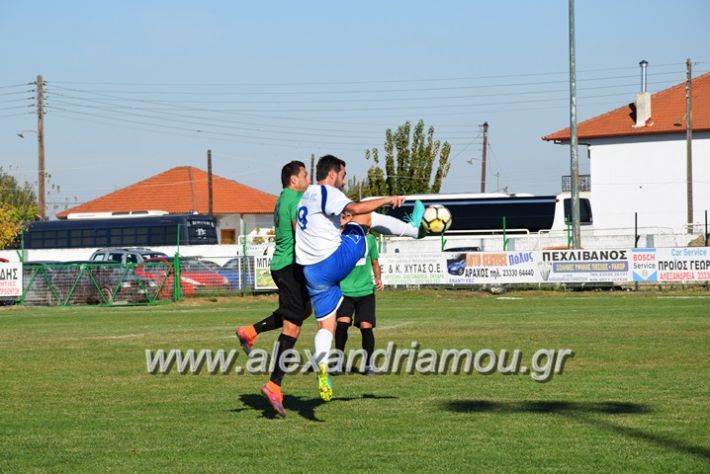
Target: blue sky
point(135, 88)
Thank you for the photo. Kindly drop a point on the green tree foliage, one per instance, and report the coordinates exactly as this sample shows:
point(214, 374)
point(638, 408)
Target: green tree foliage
point(411, 156)
point(18, 206)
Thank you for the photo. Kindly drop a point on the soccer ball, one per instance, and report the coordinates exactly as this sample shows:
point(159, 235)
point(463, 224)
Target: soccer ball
point(437, 218)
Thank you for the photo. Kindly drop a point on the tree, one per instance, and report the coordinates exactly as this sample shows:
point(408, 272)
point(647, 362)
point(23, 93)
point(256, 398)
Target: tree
point(18, 206)
point(410, 159)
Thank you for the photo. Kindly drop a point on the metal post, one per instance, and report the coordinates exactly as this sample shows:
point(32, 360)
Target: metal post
point(177, 288)
point(244, 267)
point(689, 143)
point(40, 148)
point(636, 230)
point(483, 159)
point(209, 183)
point(574, 152)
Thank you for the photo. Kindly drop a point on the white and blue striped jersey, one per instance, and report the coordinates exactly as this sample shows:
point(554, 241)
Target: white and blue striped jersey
point(318, 223)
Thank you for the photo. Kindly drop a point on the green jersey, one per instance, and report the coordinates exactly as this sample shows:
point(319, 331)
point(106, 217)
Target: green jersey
point(359, 282)
point(284, 214)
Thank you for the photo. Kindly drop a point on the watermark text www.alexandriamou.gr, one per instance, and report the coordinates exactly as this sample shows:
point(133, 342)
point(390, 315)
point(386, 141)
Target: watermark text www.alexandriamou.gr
point(543, 365)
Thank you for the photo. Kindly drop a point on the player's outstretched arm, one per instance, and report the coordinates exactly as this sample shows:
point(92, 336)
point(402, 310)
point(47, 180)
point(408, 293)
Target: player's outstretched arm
point(366, 207)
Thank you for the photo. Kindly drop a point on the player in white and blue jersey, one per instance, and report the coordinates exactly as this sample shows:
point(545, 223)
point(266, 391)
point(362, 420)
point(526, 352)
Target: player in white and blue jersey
point(328, 254)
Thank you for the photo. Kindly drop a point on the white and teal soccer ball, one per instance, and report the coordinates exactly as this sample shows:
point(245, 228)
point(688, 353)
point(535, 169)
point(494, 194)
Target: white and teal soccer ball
point(437, 219)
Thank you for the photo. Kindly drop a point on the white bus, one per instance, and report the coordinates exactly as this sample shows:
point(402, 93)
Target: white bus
point(477, 213)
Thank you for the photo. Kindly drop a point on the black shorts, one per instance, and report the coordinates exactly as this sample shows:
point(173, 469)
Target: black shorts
point(362, 306)
point(294, 302)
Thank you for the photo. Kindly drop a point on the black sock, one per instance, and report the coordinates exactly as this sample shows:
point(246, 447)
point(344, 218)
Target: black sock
point(270, 323)
point(368, 343)
point(285, 343)
point(341, 335)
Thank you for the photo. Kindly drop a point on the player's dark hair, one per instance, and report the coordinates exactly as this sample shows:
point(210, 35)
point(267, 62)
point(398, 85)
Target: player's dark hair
point(290, 169)
point(326, 164)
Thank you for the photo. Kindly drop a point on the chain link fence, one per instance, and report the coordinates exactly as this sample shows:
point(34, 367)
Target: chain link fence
point(150, 282)
point(243, 268)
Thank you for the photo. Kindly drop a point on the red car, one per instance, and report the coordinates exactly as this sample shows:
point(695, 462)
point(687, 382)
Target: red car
point(196, 278)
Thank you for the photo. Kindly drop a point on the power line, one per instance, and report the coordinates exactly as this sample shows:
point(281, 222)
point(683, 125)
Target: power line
point(223, 123)
point(250, 139)
point(321, 83)
point(15, 107)
point(17, 115)
point(9, 86)
point(393, 99)
point(375, 91)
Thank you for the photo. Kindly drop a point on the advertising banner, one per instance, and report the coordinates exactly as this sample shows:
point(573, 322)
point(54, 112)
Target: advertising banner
point(10, 279)
point(683, 264)
point(643, 265)
point(262, 274)
point(491, 267)
point(584, 266)
point(422, 269)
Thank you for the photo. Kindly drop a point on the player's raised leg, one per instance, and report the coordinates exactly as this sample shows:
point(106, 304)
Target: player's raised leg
point(388, 225)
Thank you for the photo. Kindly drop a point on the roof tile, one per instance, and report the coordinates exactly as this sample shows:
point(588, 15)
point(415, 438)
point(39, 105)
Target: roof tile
point(667, 115)
point(180, 190)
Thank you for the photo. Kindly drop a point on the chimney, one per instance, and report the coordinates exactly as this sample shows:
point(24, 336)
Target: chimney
point(643, 99)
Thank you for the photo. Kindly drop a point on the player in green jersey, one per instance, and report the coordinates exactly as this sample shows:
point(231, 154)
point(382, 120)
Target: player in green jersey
point(359, 300)
point(294, 303)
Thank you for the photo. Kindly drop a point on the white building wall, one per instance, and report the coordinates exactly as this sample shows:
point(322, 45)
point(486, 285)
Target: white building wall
point(252, 222)
point(648, 175)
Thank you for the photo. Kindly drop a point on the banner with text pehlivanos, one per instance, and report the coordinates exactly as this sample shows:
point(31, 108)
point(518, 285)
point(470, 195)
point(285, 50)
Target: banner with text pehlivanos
point(583, 266)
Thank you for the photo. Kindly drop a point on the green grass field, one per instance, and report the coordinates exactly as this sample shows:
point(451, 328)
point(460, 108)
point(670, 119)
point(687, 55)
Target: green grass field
point(75, 394)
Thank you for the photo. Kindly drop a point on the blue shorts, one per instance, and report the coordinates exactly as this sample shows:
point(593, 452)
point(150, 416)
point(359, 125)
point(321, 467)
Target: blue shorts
point(323, 278)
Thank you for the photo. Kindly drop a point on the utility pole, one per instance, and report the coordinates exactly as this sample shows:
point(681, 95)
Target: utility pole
point(689, 143)
point(209, 183)
point(313, 161)
point(40, 148)
point(574, 151)
point(483, 160)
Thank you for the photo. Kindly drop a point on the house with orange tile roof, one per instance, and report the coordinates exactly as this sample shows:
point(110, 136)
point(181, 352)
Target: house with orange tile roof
point(637, 158)
point(184, 189)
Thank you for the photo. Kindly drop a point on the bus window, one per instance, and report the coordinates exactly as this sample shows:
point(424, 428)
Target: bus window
point(138, 231)
point(585, 211)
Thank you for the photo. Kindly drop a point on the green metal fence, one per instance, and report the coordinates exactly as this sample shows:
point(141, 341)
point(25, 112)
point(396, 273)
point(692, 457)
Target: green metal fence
point(61, 284)
point(150, 282)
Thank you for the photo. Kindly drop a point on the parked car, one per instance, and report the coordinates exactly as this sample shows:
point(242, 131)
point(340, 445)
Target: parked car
point(89, 282)
point(125, 255)
point(211, 265)
point(232, 270)
point(116, 283)
point(196, 278)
